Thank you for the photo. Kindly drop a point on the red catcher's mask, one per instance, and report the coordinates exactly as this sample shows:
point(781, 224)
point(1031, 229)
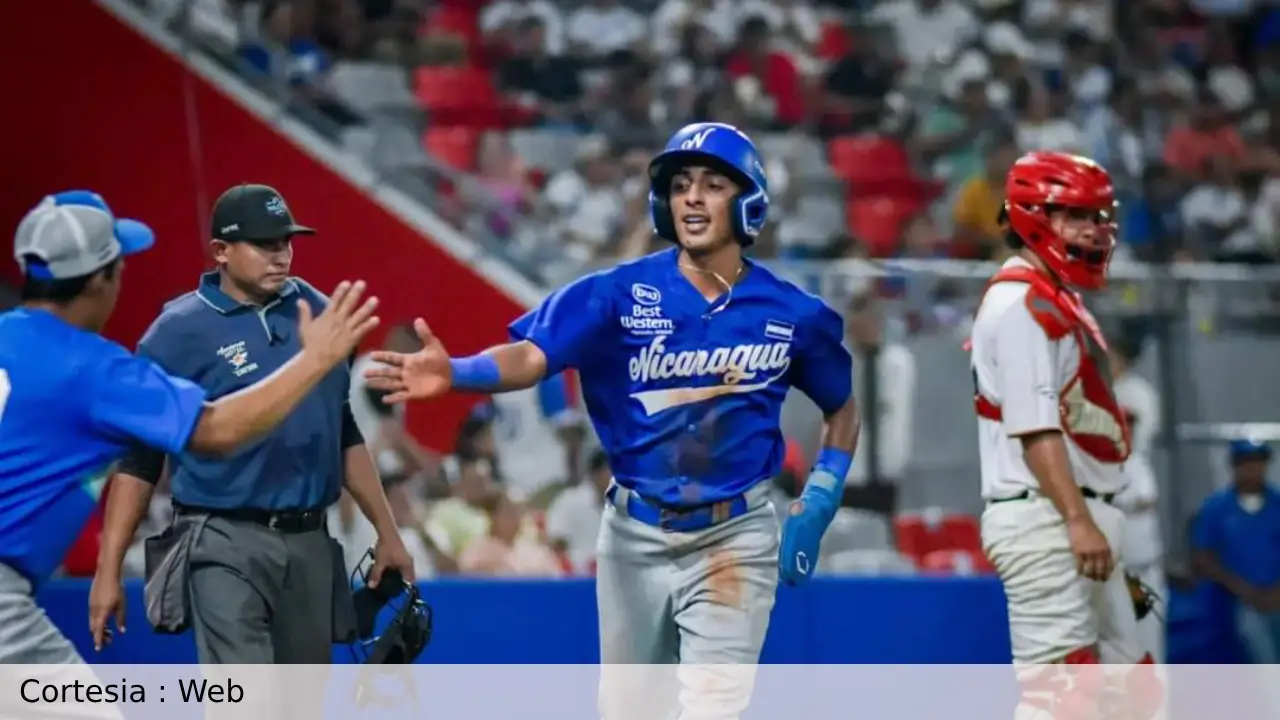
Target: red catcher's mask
point(1078, 245)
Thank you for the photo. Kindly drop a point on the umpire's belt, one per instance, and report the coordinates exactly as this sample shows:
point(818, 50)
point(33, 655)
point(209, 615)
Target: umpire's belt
point(1088, 493)
point(285, 521)
point(671, 519)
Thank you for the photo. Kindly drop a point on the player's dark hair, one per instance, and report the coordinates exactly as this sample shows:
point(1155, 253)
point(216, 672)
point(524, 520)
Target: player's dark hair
point(1011, 239)
point(61, 291)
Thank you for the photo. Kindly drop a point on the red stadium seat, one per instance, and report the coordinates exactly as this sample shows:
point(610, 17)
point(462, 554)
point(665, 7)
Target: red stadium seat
point(458, 96)
point(919, 534)
point(878, 221)
point(834, 41)
point(455, 146)
point(957, 562)
point(867, 159)
point(458, 19)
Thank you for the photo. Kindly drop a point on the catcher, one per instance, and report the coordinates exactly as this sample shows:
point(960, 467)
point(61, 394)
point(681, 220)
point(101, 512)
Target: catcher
point(1052, 441)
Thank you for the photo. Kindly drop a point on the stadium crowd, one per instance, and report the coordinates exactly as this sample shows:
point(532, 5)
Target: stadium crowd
point(884, 121)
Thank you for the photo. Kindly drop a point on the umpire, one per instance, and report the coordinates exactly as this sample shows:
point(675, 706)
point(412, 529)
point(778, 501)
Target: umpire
point(260, 578)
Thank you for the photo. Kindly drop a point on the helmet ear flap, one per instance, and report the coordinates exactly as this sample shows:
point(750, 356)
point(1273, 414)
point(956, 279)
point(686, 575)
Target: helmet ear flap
point(664, 225)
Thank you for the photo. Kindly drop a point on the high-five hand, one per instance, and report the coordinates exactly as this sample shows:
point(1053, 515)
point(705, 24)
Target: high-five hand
point(335, 334)
point(413, 376)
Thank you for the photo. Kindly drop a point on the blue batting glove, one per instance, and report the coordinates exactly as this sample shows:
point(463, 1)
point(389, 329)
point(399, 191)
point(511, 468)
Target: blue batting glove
point(806, 522)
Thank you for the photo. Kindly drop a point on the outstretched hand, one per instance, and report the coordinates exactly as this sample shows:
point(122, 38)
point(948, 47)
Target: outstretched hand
point(412, 376)
point(332, 336)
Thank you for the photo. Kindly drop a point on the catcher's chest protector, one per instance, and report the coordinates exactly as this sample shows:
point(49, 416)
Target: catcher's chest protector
point(1088, 409)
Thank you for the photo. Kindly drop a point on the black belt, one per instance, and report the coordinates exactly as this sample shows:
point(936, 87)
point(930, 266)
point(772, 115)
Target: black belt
point(285, 521)
point(1088, 493)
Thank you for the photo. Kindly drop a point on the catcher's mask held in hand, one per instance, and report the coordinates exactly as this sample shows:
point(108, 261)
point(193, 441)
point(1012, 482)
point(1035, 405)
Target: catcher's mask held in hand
point(407, 633)
point(1145, 599)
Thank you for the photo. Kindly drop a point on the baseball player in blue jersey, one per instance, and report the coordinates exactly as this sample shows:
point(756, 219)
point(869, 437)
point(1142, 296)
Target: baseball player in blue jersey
point(685, 357)
point(73, 402)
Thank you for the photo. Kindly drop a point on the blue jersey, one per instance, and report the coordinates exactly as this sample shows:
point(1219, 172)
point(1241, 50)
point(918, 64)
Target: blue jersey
point(71, 403)
point(686, 395)
point(1244, 542)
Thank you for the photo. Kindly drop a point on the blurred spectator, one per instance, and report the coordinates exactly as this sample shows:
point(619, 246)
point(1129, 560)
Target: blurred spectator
point(1044, 125)
point(288, 50)
point(1265, 216)
point(600, 27)
point(1152, 223)
point(1222, 73)
point(719, 18)
point(501, 552)
point(1086, 75)
point(573, 518)
point(463, 518)
point(978, 230)
point(1050, 20)
point(537, 76)
point(629, 115)
point(1115, 136)
point(692, 71)
point(794, 26)
point(477, 439)
point(1012, 77)
point(925, 28)
point(1234, 545)
point(956, 135)
point(424, 538)
point(765, 80)
point(503, 175)
point(1267, 57)
point(1158, 77)
point(588, 201)
point(1207, 134)
point(857, 86)
point(1215, 212)
point(505, 22)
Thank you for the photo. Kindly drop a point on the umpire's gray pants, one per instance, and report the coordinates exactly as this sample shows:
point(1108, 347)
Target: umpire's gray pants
point(259, 596)
point(700, 599)
point(28, 637)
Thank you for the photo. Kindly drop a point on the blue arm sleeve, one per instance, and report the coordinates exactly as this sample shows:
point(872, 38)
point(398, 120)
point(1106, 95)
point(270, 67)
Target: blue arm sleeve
point(823, 366)
point(568, 324)
point(133, 399)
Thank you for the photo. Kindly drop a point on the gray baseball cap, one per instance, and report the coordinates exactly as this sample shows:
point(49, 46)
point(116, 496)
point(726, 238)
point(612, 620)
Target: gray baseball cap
point(72, 234)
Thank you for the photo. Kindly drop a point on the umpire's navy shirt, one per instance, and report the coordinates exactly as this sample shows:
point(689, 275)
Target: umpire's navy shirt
point(223, 346)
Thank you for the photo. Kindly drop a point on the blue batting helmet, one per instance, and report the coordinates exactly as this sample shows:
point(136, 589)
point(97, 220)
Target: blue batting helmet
point(727, 150)
point(1245, 449)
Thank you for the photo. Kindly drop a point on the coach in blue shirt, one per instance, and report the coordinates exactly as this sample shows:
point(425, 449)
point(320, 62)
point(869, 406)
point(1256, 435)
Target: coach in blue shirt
point(267, 583)
point(1235, 540)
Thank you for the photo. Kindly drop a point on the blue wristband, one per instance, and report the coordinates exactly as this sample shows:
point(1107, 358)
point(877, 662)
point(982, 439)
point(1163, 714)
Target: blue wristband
point(834, 461)
point(477, 372)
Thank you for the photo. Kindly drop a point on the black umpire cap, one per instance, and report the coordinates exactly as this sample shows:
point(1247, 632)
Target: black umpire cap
point(254, 212)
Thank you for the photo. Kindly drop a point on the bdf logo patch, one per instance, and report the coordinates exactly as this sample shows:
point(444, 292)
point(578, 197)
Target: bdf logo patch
point(645, 294)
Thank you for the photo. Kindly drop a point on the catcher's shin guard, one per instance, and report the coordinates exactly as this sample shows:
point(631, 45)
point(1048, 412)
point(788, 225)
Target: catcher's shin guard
point(1069, 690)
